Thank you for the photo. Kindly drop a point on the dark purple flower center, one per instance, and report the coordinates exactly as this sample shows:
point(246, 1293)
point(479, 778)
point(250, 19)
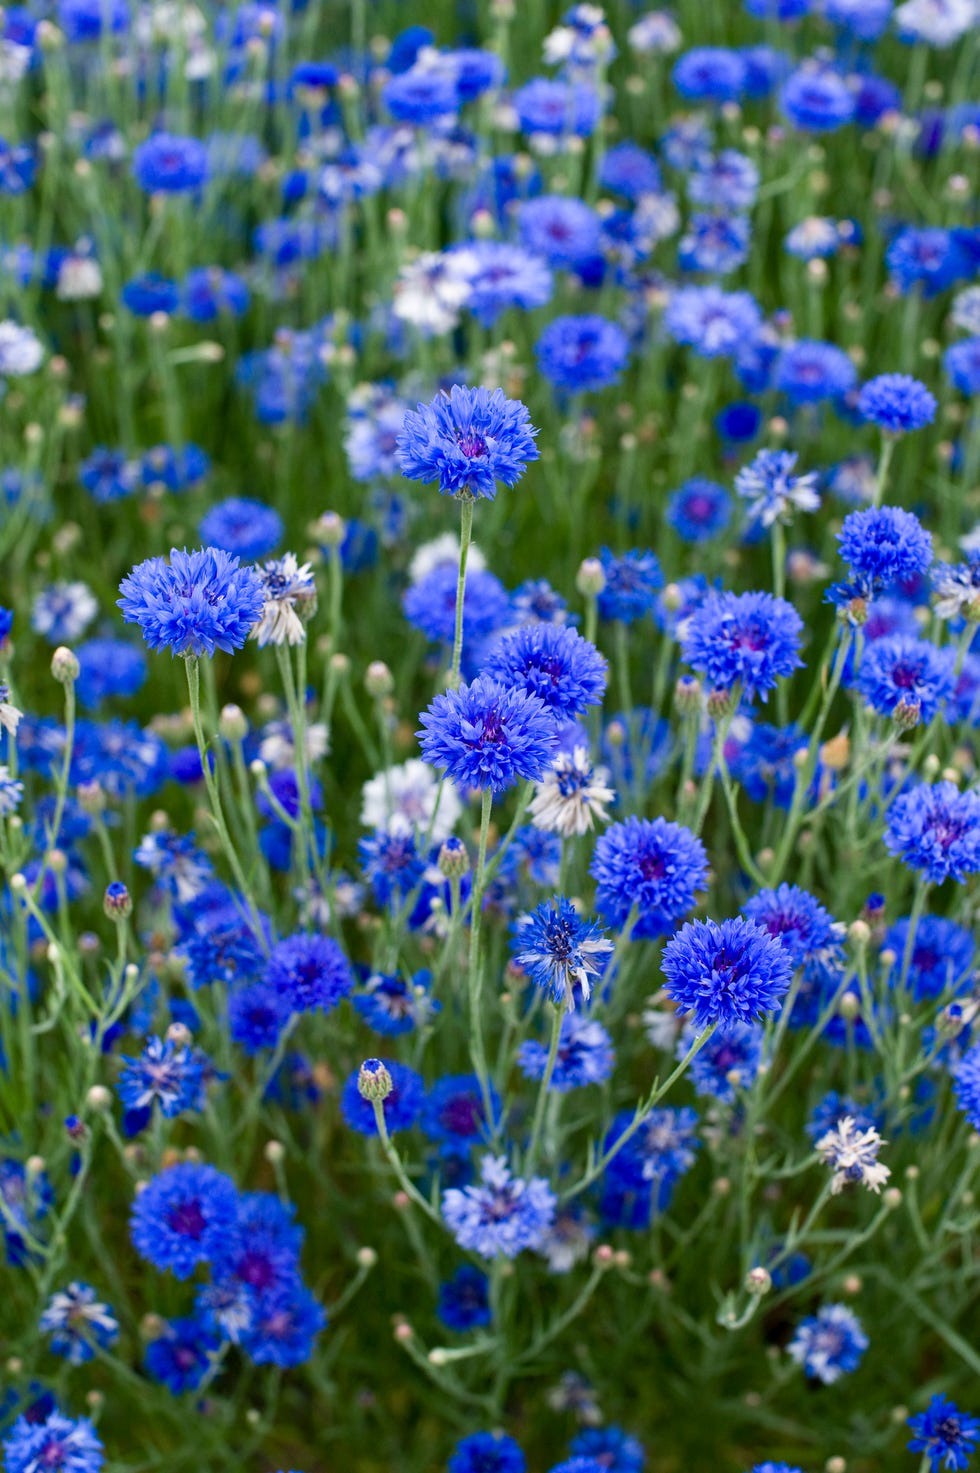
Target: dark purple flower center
point(187, 1219)
point(462, 1115)
point(471, 443)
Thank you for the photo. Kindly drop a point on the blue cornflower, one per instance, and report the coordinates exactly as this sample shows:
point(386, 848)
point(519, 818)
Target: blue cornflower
point(726, 181)
point(184, 1216)
point(795, 918)
point(728, 1061)
point(614, 1450)
point(957, 588)
point(501, 1216)
point(108, 667)
point(945, 1434)
point(150, 293)
point(285, 1328)
point(772, 491)
point(897, 403)
point(935, 828)
point(177, 865)
point(454, 1112)
point(78, 1323)
point(552, 662)
point(219, 944)
point(817, 100)
point(728, 973)
point(502, 276)
point(765, 765)
point(536, 602)
point(57, 1445)
point(170, 164)
point(197, 603)
point(256, 1016)
point(941, 959)
point(651, 864)
point(309, 973)
point(430, 604)
point(715, 323)
point(585, 1055)
point(485, 735)
point(560, 950)
point(715, 244)
point(808, 372)
point(769, 1467)
point(467, 440)
point(832, 1108)
point(657, 1155)
point(632, 580)
point(738, 422)
point(108, 475)
point(26, 1199)
point(393, 1005)
point(421, 95)
point(579, 1465)
point(709, 74)
point(464, 1300)
point(882, 545)
point(391, 862)
point(167, 1074)
point(182, 1354)
point(816, 237)
point(544, 105)
point(209, 292)
point(401, 1106)
point(564, 231)
point(929, 258)
point(962, 363)
point(487, 1452)
point(249, 529)
point(966, 1085)
point(264, 1253)
point(578, 353)
point(829, 1344)
point(699, 510)
point(906, 678)
point(175, 468)
point(630, 170)
point(743, 639)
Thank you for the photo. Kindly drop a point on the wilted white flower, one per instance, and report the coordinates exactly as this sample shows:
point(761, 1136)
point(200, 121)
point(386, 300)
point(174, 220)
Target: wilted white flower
point(853, 1153)
point(572, 795)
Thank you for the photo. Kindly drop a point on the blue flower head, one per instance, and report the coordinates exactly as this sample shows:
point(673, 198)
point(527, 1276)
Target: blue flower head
point(552, 662)
point(185, 1216)
point(486, 735)
point(897, 403)
point(715, 323)
point(58, 1444)
point(614, 1450)
point(560, 950)
point(809, 372)
point(652, 864)
point(906, 678)
point(580, 353)
point(935, 829)
point(632, 580)
point(454, 1112)
point(487, 1452)
point(585, 1055)
point(829, 1344)
point(817, 100)
point(730, 973)
point(308, 972)
point(197, 603)
point(966, 1085)
point(945, 1434)
point(795, 918)
point(748, 640)
point(564, 231)
point(248, 529)
point(170, 164)
point(699, 510)
point(467, 440)
point(502, 1215)
point(464, 1300)
point(882, 545)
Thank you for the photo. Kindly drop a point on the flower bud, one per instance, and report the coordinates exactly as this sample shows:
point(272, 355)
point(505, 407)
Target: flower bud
point(378, 680)
point(687, 696)
point(232, 724)
point(453, 859)
point(758, 1280)
point(329, 529)
point(591, 578)
point(374, 1081)
point(64, 665)
point(117, 901)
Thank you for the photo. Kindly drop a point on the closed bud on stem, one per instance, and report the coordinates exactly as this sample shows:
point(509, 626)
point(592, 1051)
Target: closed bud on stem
point(378, 680)
point(64, 665)
point(117, 901)
point(374, 1081)
point(590, 579)
point(232, 724)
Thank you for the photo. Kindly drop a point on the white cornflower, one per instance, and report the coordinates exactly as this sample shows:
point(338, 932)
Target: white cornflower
point(11, 792)
point(288, 586)
point(21, 352)
point(853, 1153)
point(431, 291)
point(572, 795)
point(411, 793)
point(966, 311)
point(277, 748)
point(79, 279)
point(63, 612)
point(655, 33)
point(767, 483)
point(9, 714)
point(443, 549)
point(937, 22)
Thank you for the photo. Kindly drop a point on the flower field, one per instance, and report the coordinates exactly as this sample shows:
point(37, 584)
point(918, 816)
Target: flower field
point(489, 694)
